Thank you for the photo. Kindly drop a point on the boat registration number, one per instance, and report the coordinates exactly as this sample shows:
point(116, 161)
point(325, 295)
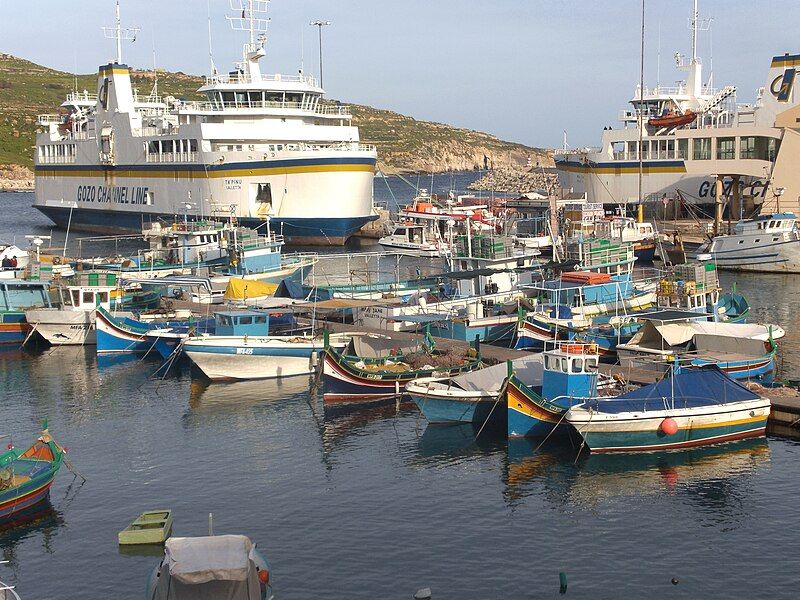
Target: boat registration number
point(244, 351)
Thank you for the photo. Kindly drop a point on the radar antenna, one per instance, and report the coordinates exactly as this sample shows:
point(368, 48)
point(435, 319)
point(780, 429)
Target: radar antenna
point(118, 33)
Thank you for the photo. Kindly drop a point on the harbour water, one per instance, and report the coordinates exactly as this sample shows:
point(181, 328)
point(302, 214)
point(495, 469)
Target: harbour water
point(375, 504)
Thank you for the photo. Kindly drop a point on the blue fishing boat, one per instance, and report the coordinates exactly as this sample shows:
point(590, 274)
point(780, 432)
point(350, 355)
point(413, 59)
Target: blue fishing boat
point(26, 475)
point(125, 334)
point(474, 397)
point(569, 377)
point(692, 407)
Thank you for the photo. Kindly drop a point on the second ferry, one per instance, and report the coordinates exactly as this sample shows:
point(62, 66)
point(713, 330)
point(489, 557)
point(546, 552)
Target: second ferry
point(264, 147)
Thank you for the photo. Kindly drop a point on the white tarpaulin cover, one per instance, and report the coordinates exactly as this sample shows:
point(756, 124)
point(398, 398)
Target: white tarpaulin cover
point(678, 334)
point(528, 369)
point(201, 559)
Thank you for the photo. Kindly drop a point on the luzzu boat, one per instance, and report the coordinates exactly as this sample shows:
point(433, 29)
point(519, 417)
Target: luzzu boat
point(124, 334)
point(569, 377)
point(693, 407)
point(375, 368)
point(26, 476)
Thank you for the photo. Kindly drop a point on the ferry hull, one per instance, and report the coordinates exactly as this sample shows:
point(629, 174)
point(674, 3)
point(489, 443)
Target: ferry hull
point(323, 231)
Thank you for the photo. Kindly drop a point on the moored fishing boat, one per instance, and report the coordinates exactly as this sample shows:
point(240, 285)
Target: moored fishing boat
point(569, 376)
point(692, 407)
point(231, 358)
point(121, 333)
point(215, 566)
point(375, 368)
point(473, 397)
point(26, 475)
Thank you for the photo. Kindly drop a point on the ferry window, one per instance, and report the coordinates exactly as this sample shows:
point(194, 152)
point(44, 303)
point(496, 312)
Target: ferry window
point(670, 148)
point(775, 239)
point(148, 198)
point(272, 147)
point(741, 241)
point(632, 150)
point(255, 98)
point(88, 298)
point(756, 240)
point(726, 148)
point(103, 296)
point(241, 97)
point(192, 145)
point(274, 98)
point(280, 146)
point(683, 149)
point(772, 148)
point(747, 147)
point(701, 149)
point(227, 97)
point(76, 298)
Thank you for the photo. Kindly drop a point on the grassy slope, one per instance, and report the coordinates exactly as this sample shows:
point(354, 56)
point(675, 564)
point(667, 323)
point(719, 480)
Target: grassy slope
point(28, 89)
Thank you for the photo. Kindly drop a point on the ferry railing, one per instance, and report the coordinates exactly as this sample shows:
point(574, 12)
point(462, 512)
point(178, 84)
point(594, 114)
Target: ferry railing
point(172, 157)
point(50, 118)
point(262, 78)
point(83, 96)
point(320, 111)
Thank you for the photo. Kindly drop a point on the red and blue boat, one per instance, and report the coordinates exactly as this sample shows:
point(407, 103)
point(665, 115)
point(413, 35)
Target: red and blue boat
point(15, 296)
point(26, 476)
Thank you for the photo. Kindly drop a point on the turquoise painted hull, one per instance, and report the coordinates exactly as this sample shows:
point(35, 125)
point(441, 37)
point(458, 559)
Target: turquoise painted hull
point(441, 410)
point(655, 439)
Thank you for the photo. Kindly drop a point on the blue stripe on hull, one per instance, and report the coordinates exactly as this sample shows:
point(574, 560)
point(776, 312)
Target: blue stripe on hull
point(331, 231)
point(107, 342)
point(256, 351)
point(458, 331)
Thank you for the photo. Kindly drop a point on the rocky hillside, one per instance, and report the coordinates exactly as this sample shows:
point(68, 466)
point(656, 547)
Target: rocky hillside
point(404, 143)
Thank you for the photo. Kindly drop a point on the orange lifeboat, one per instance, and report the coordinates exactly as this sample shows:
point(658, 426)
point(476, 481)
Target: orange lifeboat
point(672, 119)
point(586, 277)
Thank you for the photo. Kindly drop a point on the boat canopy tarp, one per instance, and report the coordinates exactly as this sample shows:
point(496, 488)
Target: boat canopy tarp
point(528, 369)
point(376, 347)
point(697, 387)
point(240, 289)
point(678, 334)
point(208, 568)
point(290, 289)
point(735, 345)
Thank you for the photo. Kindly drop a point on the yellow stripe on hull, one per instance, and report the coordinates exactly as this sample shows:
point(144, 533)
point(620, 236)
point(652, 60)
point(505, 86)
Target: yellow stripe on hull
point(193, 174)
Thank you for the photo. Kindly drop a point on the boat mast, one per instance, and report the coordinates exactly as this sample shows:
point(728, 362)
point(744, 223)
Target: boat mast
point(640, 208)
point(118, 33)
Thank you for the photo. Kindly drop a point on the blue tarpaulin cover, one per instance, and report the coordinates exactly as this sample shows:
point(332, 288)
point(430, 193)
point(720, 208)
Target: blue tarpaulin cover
point(705, 386)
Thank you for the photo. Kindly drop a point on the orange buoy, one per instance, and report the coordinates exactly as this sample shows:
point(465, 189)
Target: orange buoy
point(669, 426)
point(263, 576)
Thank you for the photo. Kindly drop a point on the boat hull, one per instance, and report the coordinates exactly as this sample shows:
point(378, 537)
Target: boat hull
point(775, 257)
point(529, 415)
point(63, 327)
point(626, 432)
point(443, 409)
point(13, 328)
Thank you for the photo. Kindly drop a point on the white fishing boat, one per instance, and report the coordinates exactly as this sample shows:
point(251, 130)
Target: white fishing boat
point(231, 358)
point(267, 145)
point(72, 322)
point(766, 244)
point(412, 239)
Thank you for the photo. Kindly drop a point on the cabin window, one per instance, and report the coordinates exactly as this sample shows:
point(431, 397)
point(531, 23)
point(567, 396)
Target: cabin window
point(260, 320)
point(224, 321)
point(88, 297)
point(683, 149)
point(577, 365)
point(701, 149)
point(76, 298)
point(726, 148)
point(547, 362)
point(103, 297)
point(192, 145)
point(241, 98)
point(747, 147)
point(245, 320)
point(227, 97)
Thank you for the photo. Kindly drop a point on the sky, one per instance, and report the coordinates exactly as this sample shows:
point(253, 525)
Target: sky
point(524, 70)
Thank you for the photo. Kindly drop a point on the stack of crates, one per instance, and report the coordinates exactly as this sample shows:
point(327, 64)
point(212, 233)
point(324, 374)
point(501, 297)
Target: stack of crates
point(697, 278)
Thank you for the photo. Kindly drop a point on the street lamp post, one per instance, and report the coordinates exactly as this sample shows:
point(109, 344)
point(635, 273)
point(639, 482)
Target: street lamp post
point(319, 25)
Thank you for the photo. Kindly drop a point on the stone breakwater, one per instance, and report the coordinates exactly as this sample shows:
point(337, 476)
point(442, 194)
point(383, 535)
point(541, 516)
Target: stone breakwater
point(517, 181)
point(15, 178)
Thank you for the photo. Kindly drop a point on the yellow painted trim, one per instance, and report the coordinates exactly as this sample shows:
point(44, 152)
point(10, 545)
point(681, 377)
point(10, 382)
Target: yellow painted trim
point(786, 62)
point(194, 174)
point(620, 170)
point(113, 70)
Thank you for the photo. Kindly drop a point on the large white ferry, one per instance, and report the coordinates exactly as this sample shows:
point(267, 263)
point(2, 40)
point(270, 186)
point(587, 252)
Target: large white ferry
point(694, 134)
point(265, 145)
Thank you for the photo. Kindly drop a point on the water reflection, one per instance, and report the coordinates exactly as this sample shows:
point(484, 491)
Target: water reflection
point(28, 524)
point(708, 477)
point(444, 444)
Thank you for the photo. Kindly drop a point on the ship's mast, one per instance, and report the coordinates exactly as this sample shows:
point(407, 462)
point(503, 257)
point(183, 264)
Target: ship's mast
point(118, 33)
point(694, 32)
